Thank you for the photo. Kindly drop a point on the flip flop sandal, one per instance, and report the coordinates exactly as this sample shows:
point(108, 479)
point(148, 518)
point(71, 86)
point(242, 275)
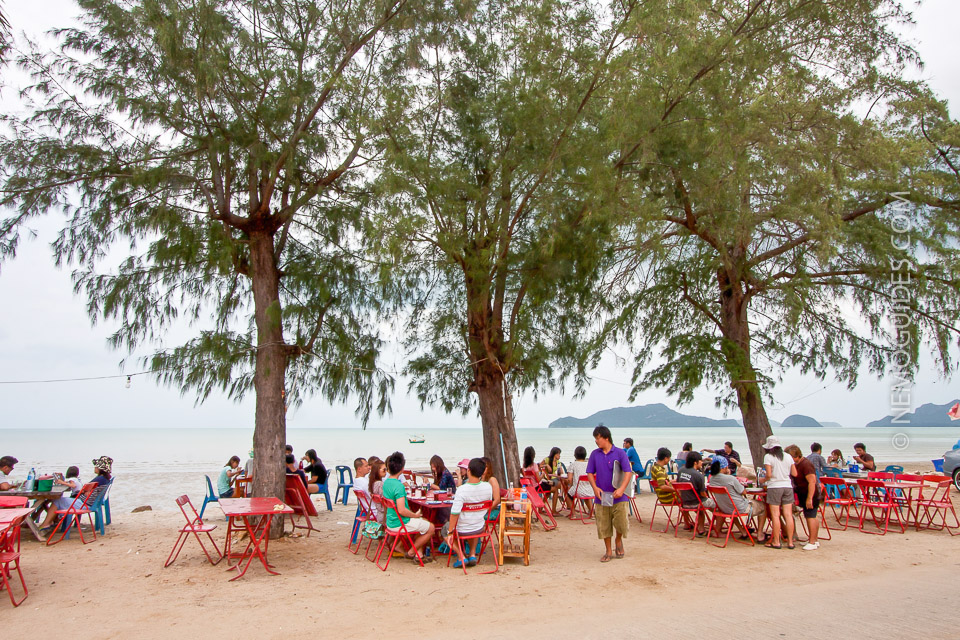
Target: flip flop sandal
point(619, 553)
point(605, 558)
point(773, 546)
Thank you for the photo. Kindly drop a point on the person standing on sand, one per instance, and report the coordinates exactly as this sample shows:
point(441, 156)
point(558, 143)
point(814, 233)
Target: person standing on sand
point(610, 503)
point(779, 472)
point(807, 489)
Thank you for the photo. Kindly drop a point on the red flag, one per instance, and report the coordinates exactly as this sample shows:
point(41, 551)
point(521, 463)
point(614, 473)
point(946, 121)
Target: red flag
point(954, 412)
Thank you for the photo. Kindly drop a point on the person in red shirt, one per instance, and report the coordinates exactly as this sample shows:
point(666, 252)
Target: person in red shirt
point(807, 489)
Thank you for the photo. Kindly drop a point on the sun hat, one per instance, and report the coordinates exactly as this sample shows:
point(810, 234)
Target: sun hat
point(772, 441)
point(463, 464)
point(103, 463)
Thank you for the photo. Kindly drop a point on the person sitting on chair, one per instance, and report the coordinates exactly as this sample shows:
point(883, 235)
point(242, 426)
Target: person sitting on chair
point(442, 478)
point(420, 528)
point(471, 523)
point(720, 477)
point(361, 467)
point(6, 466)
point(102, 467)
point(863, 457)
point(291, 468)
point(72, 480)
point(227, 475)
point(317, 472)
point(691, 473)
point(578, 468)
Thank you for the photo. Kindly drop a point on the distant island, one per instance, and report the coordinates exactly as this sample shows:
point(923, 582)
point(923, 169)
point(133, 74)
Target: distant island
point(927, 415)
point(796, 420)
point(646, 416)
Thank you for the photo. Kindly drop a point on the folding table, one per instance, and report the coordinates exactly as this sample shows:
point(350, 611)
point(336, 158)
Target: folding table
point(256, 514)
point(41, 498)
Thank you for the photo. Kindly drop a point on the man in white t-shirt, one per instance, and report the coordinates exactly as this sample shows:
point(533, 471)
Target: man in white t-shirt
point(471, 522)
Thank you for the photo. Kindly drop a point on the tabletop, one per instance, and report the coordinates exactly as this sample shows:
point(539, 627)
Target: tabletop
point(238, 507)
point(435, 504)
point(54, 493)
point(9, 515)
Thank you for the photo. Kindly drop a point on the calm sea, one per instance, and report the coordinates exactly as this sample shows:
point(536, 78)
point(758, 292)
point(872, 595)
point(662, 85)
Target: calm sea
point(154, 466)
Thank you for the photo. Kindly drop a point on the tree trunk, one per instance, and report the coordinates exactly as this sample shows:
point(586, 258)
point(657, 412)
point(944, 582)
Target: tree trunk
point(736, 350)
point(496, 417)
point(270, 431)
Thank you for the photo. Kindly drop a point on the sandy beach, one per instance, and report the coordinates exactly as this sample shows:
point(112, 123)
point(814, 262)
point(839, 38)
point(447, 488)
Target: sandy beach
point(897, 585)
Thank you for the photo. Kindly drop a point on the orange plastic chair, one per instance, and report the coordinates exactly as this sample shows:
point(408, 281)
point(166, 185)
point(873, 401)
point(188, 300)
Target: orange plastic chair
point(196, 527)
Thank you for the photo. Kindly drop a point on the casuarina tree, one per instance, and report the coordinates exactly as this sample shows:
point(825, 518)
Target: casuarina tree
point(209, 159)
point(779, 206)
point(490, 163)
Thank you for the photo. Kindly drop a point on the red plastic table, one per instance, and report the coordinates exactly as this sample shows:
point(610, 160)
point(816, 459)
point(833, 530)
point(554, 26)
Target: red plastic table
point(256, 514)
point(9, 515)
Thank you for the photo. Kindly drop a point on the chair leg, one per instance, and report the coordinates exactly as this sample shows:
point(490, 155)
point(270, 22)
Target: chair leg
point(203, 507)
point(175, 552)
point(5, 578)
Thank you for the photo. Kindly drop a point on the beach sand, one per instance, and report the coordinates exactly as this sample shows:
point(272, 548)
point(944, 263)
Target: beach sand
point(898, 585)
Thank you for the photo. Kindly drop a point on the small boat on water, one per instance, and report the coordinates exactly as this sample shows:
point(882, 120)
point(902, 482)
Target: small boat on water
point(417, 439)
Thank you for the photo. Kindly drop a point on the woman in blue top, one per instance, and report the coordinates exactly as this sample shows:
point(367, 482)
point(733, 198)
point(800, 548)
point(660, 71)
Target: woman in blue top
point(227, 476)
point(442, 478)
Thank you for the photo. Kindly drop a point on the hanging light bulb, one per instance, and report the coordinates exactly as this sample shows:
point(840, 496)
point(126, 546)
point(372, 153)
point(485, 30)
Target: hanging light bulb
point(127, 385)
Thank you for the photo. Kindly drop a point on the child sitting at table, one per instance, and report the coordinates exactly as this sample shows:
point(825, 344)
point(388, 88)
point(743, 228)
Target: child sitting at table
point(474, 490)
point(71, 480)
point(394, 490)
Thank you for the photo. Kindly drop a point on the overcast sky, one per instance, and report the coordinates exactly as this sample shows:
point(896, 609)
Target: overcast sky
point(45, 332)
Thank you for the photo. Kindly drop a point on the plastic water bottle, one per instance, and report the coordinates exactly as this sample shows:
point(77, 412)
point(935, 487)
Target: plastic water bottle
point(523, 494)
point(30, 477)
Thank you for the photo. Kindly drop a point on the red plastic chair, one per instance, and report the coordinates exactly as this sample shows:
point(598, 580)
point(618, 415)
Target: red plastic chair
point(364, 514)
point(540, 508)
point(876, 498)
point(727, 519)
point(678, 487)
point(77, 509)
point(10, 555)
point(843, 503)
point(297, 498)
point(196, 527)
point(12, 502)
point(667, 508)
point(401, 533)
point(880, 475)
point(486, 535)
point(940, 503)
point(582, 507)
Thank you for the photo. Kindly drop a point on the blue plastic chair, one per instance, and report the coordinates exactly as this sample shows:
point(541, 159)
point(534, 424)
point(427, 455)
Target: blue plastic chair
point(94, 503)
point(895, 469)
point(210, 497)
point(99, 508)
point(106, 501)
point(324, 490)
point(830, 472)
point(343, 472)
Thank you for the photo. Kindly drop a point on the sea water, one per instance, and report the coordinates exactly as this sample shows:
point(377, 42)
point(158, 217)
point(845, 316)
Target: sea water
point(154, 466)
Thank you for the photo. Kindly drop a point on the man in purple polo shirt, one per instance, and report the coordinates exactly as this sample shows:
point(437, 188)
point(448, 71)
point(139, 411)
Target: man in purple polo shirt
point(610, 505)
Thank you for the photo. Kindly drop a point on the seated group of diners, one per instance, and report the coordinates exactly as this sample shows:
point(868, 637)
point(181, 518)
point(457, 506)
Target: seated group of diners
point(473, 483)
point(313, 474)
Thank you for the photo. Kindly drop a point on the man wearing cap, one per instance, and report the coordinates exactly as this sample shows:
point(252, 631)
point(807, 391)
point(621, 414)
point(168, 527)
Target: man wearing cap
point(6, 466)
point(461, 476)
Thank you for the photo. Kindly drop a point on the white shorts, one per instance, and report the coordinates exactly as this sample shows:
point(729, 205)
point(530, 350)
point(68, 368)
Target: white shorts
point(416, 526)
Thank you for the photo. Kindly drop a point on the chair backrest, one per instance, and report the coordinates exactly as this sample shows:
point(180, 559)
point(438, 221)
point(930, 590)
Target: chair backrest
point(389, 505)
point(10, 536)
point(184, 503)
point(585, 481)
point(8, 502)
point(723, 500)
point(85, 497)
point(363, 502)
point(941, 488)
point(679, 487)
point(935, 479)
point(474, 507)
point(647, 468)
point(873, 491)
point(879, 475)
point(343, 471)
point(297, 497)
point(210, 494)
point(894, 469)
point(830, 472)
point(909, 477)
